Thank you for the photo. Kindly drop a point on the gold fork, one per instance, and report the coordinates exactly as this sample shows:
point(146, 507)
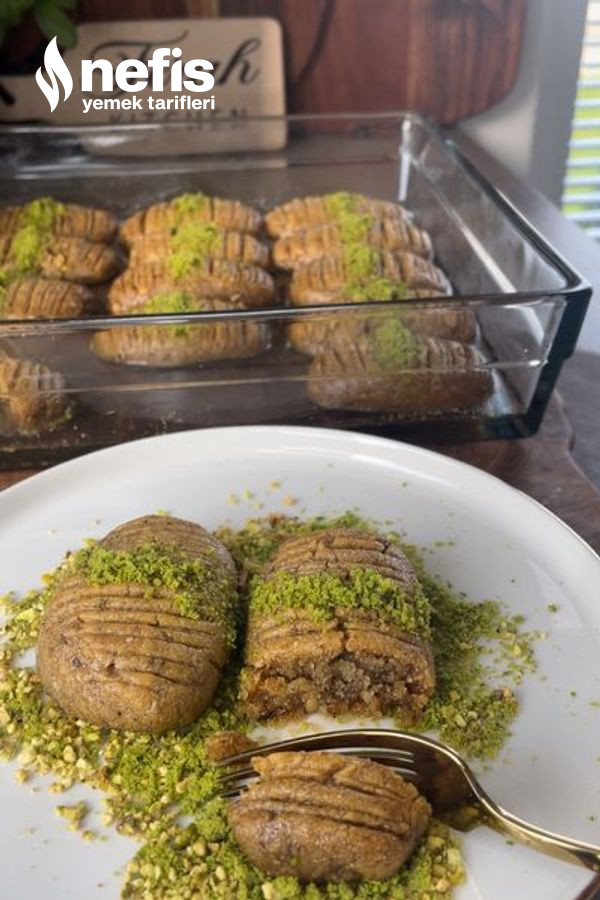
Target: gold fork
point(440, 774)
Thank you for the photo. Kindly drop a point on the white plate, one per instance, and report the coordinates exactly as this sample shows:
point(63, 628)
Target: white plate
point(506, 546)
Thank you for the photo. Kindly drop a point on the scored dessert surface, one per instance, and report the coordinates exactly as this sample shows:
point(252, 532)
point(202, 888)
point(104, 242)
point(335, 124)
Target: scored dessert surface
point(322, 816)
point(115, 647)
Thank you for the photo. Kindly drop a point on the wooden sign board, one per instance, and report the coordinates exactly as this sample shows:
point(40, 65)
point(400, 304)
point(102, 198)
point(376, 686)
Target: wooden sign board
point(247, 55)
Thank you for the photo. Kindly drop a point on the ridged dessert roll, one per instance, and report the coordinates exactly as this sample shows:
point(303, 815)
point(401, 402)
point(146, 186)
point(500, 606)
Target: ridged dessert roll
point(331, 279)
point(312, 212)
point(65, 219)
point(169, 215)
point(44, 298)
point(249, 286)
point(426, 377)
point(168, 346)
point(139, 626)
point(66, 258)
point(324, 817)
point(309, 244)
point(234, 246)
point(32, 396)
point(316, 334)
point(339, 624)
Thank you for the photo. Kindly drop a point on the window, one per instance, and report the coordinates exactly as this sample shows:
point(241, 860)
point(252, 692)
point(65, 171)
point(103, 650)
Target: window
point(581, 197)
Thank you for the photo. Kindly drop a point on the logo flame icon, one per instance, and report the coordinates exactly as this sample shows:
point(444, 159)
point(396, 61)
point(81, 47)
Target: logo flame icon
point(58, 72)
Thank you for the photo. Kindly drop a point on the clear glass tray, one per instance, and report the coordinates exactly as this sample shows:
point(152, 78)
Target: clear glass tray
point(521, 304)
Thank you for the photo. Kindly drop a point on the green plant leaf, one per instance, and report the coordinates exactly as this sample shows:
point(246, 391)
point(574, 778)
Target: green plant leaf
point(12, 11)
point(52, 21)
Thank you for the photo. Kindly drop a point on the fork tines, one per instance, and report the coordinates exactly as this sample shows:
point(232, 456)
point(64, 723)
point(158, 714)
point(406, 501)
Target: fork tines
point(239, 775)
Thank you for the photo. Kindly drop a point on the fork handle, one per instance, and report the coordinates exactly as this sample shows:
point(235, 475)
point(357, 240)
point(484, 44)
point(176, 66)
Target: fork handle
point(555, 845)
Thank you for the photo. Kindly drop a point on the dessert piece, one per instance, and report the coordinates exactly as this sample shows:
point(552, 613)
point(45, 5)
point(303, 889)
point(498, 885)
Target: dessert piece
point(248, 286)
point(327, 817)
point(62, 219)
point(312, 212)
point(170, 215)
point(32, 396)
point(198, 241)
point(360, 273)
point(338, 623)
point(312, 335)
point(44, 298)
point(67, 258)
point(139, 626)
point(396, 372)
point(307, 244)
point(180, 345)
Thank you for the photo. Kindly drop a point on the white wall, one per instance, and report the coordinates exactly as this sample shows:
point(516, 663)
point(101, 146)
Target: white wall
point(529, 130)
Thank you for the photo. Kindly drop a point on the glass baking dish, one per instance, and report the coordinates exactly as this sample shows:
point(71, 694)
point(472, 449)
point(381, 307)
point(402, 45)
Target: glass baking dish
point(518, 305)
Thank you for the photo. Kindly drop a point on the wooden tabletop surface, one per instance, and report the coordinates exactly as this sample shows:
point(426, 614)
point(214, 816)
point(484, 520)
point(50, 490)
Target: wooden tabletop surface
point(560, 466)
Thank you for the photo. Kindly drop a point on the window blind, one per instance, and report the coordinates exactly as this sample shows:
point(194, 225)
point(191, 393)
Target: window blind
point(581, 195)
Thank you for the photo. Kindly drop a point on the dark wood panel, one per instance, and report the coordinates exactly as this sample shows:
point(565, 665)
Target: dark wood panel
point(113, 10)
point(446, 58)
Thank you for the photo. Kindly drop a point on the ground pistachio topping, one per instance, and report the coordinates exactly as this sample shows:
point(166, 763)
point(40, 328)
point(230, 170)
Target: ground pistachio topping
point(395, 346)
point(187, 204)
point(190, 246)
point(5, 279)
point(172, 302)
point(360, 259)
point(163, 791)
point(364, 281)
point(199, 590)
point(33, 233)
point(322, 595)
point(354, 225)
point(342, 203)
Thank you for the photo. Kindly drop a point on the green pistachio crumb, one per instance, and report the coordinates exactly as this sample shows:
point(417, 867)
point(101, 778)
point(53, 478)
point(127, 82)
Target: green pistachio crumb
point(185, 204)
point(395, 347)
point(198, 588)
point(360, 260)
point(189, 247)
point(74, 815)
point(33, 233)
point(172, 302)
point(341, 202)
point(169, 302)
point(364, 279)
point(323, 595)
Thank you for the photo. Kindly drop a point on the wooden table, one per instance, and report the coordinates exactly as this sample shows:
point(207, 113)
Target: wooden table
point(560, 466)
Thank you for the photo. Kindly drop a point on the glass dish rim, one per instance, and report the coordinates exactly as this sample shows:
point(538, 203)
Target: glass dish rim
point(575, 286)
